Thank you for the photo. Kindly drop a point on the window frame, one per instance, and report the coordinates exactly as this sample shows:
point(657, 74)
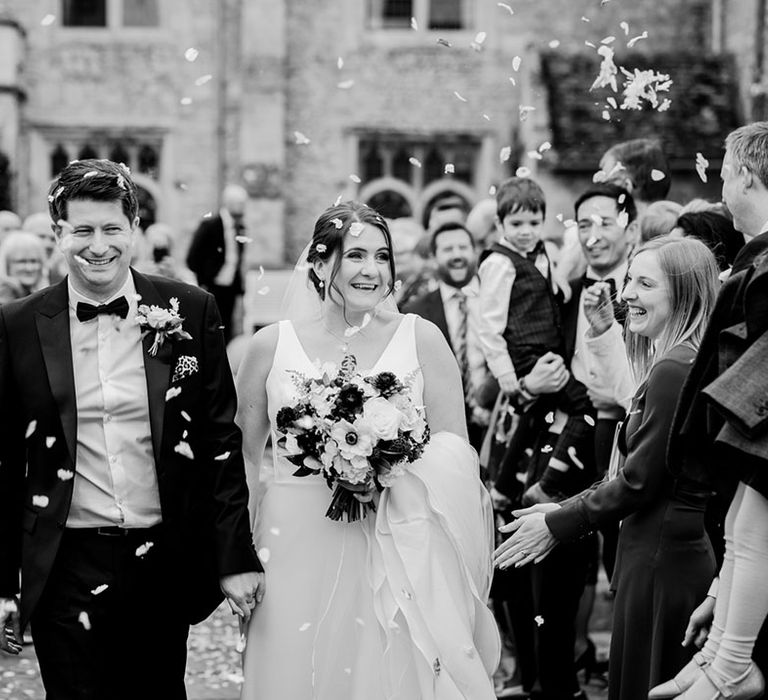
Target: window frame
point(421, 13)
point(115, 10)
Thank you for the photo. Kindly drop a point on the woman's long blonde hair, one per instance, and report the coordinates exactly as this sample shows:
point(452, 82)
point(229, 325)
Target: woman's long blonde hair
point(691, 274)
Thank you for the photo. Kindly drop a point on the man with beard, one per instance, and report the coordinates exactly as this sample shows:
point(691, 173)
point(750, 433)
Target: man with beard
point(454, 308)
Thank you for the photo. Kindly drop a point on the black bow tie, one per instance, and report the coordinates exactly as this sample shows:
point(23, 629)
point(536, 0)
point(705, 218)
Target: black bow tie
point(589, 281)
point(119, 306)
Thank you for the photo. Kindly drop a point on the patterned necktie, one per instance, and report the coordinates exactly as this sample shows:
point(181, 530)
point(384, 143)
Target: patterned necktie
point(85, 311)
point(461, 344)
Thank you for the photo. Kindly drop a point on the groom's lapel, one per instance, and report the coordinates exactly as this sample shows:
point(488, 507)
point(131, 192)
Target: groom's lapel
point(156, 367)
point(52, 322)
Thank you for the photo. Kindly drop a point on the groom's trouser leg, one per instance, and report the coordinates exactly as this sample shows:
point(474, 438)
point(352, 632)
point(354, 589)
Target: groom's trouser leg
point(127, 640)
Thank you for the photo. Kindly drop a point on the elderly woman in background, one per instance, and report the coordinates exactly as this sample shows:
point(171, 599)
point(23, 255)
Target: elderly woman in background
point(665, 560)
point(22, 257)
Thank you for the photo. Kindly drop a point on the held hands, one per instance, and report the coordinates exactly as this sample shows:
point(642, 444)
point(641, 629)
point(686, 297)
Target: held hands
point(243, 591)
point(699, 623)
point(10, 626)
point(531, 541)
point(598, 308)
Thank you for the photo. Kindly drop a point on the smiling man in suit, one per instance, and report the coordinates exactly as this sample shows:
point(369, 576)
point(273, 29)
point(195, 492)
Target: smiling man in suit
point(122, 477)
point(454, 308)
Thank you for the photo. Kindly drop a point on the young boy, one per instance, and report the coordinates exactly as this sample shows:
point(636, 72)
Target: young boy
point(520, 323)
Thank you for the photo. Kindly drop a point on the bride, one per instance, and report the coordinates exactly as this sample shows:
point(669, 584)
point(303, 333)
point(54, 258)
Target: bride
point(393, 605)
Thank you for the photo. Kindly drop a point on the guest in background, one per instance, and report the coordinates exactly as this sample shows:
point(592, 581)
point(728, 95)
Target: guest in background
point(9, 221)
point(216, 254)
point(454, 307)
point(156, 257)
point(55, 268)
point(659, 219)
point(665, 559)
point(481, 221)
point(715, 230)
point(21, 265)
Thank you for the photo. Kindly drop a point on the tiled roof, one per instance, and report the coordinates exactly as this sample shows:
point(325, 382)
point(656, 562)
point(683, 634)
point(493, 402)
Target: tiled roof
point(704, 96)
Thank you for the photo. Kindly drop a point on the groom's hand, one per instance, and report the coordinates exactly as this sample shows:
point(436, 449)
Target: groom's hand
point(10, 626)
point(243, 591)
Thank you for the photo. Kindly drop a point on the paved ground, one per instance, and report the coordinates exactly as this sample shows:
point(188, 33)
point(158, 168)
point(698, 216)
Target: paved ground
point(213, 668)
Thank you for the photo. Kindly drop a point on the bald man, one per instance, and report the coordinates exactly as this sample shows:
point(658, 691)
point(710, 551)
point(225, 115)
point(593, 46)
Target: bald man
point(216, 253)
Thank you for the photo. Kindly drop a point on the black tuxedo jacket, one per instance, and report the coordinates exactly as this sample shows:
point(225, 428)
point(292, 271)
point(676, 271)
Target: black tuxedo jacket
point(207, 253)
point(203, 499)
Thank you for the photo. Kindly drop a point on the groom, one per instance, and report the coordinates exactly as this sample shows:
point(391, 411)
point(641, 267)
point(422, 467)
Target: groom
point(124, 501)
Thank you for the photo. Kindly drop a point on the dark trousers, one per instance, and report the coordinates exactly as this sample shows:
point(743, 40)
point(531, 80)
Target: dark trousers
point(125, 641)
point(225, 300)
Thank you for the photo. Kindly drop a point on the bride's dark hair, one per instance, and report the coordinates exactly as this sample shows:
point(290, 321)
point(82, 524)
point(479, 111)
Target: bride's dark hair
point(331, 228)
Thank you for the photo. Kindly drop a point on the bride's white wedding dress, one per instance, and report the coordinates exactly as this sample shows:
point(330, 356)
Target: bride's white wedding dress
point(392, 606)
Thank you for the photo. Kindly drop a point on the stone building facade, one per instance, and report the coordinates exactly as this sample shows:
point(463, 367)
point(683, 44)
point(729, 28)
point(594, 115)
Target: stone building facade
point(389, 101)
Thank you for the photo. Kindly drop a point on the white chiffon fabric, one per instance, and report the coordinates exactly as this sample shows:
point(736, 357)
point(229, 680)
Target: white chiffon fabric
point(391, 607)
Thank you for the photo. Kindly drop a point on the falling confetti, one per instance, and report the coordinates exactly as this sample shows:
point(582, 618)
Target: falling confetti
point(486, 117)
point(550, 417)
point(263, 291)
point(321, 248)
point(49, 441)
point(444, 42)
point(524, 111)
point(554, 43)
point(338, 223)
point(414, 24)
point(240, 646)
point(505, 153)
point(657, 175)
point(186, 416)
point(222, 456)
point(185, 101)
point(545, 147)
point(355, 178)
point(203, 79)
point(398, 285)
point(172, 393)
point(48, 20)
point(634, 40)
point(345, 84)
point(608, 40)
point(512, 80)
point(184, 450)
point(414, 161)
point(360, 621)
point(572, 454)
point(477, 44)
point(100, 589)
point(142, 549)
point(65, 474)
point(608, 71)
point(339, 63)
point(547, 449)
point(264, 554)
point(589, 420)
point(191, 54)
point(84, 620)
point(300, 139)
point(348, 671)
point(449, 169)
point(356, 228)
point(459, 97)
point(522, 171)
point(539, 620)
point(701, 166)
point(516, 61)
point(534, 155)
point(40, 501)
point(612, 102)
point(305, 627)
point(506, 7)
point(625, 28)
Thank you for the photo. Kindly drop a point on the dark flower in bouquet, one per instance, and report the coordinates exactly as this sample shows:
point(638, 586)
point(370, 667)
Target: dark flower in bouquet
point(358, 432)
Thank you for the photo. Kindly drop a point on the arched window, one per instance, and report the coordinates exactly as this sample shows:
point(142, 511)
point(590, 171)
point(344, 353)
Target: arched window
point(391, 205)
point(59, 160)
point(84, 13)
point(118, 154)
point(433, 166)
point(401, 167)
point(87, 151)
point(148, 160)
point(373, 164)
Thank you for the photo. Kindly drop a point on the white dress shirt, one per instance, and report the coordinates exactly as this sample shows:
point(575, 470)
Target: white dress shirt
point(588, 362)
point(226, 274)
point(497, 276)
point(115, 479)
point(450, 301)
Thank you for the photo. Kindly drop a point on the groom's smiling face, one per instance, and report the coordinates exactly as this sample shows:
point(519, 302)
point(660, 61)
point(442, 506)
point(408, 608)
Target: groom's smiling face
point(96, 241)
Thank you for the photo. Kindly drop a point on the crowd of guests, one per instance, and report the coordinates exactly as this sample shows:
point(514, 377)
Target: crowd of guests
point(615, 390)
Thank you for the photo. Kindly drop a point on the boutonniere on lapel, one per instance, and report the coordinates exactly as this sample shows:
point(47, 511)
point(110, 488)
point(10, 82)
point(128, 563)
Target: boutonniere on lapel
point(164, 323)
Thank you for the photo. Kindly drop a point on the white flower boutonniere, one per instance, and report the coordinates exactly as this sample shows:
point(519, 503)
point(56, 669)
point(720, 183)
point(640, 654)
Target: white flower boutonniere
point(165, 323)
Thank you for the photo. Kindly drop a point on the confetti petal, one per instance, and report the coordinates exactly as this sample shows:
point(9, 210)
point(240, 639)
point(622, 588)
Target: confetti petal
point(414, 24)
point(48, 20)
point(522, 171)
point(275, 531)
point(355, 178)
point(49, 441)
point(547, 449)
point(100, 589)
point(263, 291)
point(657, 175)
point(339, 63)
point(516, 61)
point(554, 43)
point(240, 646)
point(40, 501)
point(589, 420)
point(701, 166)
point(625, 27)
point(191, 54)
point(65, 474)
point(504, 154)
point(305, 627)
point(356, 228)
point(84, 620)
point(222, 456)
point(634, 40)
point(186, 416)
point(345, 84)
point(539, 620)
point(142, 549)
point(300, 139)
point(264, 554)
point(172, 393)
point(572, 454)
point(444, 42)
point(203, 79)
point(414, 161)
point(338, 223)
point(459, 97)
point(449, 169)
point(184, 450)
point(506, 7)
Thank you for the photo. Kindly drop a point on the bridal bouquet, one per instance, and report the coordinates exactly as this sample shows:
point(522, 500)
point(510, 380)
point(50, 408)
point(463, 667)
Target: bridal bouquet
point(357, 431)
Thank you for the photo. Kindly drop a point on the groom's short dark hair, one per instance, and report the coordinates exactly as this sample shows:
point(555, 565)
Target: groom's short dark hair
point(94, 178)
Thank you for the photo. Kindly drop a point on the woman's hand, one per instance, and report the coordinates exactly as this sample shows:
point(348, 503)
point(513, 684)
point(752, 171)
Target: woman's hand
point(598, 308)
point(548, 375)
point(531, 541)
point(699, 623)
